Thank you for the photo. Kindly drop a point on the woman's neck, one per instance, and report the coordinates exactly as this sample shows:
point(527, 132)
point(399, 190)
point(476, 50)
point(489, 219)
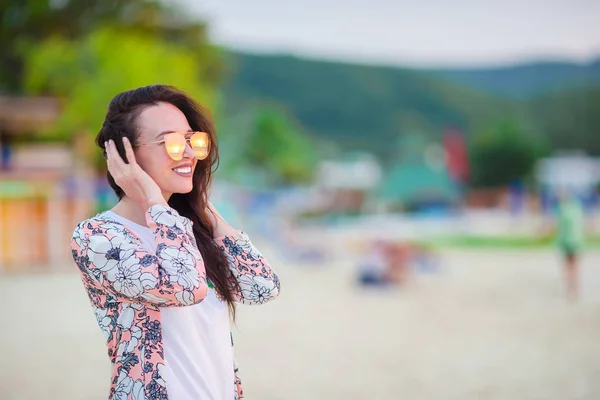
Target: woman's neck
point(130, 210)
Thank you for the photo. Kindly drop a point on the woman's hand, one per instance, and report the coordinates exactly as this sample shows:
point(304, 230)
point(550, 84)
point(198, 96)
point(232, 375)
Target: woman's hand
point(130, 177)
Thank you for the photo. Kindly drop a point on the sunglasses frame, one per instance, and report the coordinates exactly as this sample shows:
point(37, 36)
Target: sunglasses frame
point(186, 140)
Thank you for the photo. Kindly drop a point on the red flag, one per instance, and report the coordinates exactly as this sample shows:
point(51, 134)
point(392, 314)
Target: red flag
point(457, 158)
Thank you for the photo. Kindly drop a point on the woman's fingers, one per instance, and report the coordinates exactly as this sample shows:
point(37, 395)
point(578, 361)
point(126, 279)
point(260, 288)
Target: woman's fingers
point(130, 177)
point(129, 152)
point(109, 153)
point(114, 162)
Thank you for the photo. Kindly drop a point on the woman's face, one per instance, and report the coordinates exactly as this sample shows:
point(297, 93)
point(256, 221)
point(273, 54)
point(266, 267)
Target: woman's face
point(171, 176)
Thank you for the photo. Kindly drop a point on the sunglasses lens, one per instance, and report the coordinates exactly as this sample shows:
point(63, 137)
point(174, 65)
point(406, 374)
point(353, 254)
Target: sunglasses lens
point(175, 145)
point(200, 142)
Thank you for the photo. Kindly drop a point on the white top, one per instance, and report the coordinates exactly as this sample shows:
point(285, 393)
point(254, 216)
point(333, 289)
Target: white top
point(196, 341)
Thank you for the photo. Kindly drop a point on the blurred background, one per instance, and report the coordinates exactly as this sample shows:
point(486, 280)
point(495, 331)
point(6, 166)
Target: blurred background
point(401, 164)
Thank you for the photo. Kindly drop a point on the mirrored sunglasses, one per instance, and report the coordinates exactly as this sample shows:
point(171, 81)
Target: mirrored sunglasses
point(175, 143)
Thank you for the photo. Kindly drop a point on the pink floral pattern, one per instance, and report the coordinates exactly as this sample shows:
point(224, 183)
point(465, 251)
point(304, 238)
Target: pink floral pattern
point(127, 286)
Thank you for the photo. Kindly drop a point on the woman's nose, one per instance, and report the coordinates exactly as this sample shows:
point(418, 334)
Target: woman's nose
point(188, 152)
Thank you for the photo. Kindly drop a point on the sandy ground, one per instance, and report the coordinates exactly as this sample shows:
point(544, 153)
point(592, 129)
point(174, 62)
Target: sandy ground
point(489, 325)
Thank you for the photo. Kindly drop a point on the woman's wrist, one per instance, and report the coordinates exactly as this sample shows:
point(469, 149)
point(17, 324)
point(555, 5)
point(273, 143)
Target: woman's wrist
point(155, 202)
point(220, 226)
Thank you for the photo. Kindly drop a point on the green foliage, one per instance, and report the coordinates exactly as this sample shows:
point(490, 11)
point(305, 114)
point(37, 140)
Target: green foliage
point(528, 80)
point(502, 242)
point(359, 107)
point(88, 72)
point(26, 22)
point(268, 142)
point(369, 108)
point(504, 154)
point(570, 120)
point(277, 144)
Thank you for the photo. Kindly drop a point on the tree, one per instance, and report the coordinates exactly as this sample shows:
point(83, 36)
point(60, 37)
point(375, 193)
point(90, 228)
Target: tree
point(269, 142)
point(504, 154)
point(27, 22)
point(277, 143)
point(86, 73)
point(570, 119)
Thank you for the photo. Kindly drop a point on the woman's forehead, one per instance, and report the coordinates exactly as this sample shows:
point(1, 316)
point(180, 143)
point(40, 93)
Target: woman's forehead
point(160, 118)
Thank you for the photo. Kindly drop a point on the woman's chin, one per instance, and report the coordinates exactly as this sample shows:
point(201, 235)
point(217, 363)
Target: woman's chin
point(182, 189)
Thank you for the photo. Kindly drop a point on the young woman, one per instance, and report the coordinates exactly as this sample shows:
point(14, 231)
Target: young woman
point(162, 269)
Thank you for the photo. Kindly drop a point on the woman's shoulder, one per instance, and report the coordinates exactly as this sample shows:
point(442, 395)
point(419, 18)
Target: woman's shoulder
point(103, 224)
point(97, 221)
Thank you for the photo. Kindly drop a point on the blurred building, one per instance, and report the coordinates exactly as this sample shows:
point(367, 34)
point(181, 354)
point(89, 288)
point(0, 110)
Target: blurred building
point(347, 183)
point(42, 194)
point(418, 187)
point(424, 175)
point(573, 172)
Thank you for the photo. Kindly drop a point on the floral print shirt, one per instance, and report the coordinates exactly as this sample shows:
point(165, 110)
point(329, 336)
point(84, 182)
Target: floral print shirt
point(127, 286)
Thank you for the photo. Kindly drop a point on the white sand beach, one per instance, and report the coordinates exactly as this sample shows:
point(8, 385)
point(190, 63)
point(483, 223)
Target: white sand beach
point(489, 325)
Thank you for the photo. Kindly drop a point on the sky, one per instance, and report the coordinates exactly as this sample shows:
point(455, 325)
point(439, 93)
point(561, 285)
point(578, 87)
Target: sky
point(426, 33)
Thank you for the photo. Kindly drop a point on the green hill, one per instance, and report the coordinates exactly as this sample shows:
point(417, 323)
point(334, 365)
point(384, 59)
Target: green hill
point(527, 80)
point(569, 119)
point(369, 107)
point(358, 107)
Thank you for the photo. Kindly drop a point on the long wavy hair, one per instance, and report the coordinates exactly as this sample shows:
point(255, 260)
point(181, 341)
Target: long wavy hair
point(121, 121)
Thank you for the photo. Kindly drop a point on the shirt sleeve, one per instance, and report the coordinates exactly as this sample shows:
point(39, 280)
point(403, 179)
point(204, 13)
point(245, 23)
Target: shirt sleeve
point(111, 256)
point(253, 280)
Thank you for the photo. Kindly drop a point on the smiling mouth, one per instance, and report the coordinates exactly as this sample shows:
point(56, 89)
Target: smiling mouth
point(183, 171)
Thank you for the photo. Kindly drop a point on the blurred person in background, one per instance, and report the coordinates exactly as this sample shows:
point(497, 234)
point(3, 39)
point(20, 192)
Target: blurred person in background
point(374, 266)
point(402, 254)
point(570, 234)
point(163, 270)
point(387, 263)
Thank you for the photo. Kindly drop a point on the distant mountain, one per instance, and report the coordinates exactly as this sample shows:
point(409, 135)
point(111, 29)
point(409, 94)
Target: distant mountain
point(527, 80)
point(361, 107)
point(570, 120)
point(357, 106)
